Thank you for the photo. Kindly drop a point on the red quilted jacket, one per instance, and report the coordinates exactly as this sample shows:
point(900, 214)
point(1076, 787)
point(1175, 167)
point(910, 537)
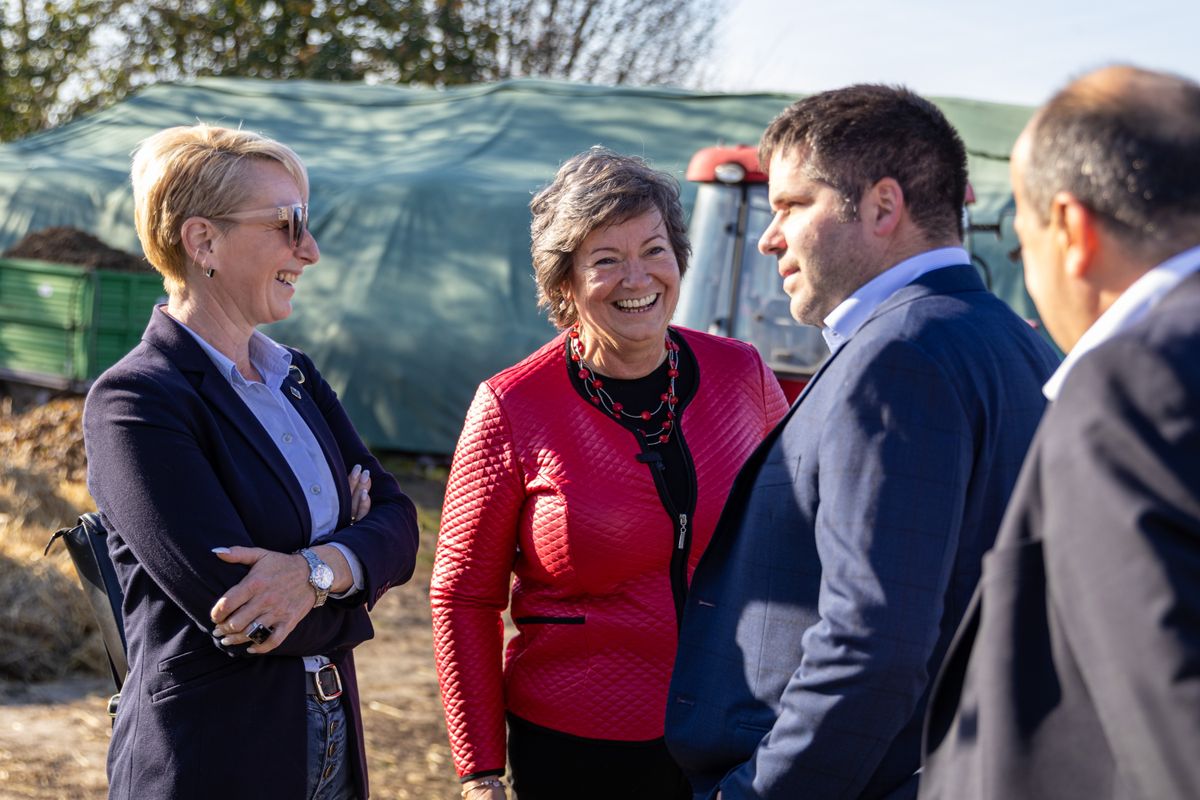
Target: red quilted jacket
point(549, 488)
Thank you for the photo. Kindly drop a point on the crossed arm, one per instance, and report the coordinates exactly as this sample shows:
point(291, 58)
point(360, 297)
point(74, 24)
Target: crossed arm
point(159, 477)
point(276, 592)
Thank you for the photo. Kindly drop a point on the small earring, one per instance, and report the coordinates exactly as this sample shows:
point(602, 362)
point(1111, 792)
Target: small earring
point(208, 271)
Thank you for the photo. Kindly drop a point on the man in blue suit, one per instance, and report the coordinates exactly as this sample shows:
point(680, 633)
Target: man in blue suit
point(851, 541)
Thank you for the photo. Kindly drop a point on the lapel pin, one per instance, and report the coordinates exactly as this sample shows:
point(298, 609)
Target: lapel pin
point(295, 392)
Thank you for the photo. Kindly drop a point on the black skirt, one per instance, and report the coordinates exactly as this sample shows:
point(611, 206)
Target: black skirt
point(550, 765)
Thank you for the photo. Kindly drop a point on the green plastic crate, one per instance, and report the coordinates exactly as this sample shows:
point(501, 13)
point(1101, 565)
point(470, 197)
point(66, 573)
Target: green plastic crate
point(61, 325)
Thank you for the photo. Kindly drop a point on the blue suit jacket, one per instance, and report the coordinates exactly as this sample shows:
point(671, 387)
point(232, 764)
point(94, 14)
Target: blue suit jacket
point(849, 548)
point(178, 465)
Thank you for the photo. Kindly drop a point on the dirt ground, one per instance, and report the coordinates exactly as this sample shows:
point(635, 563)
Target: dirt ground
point(54, 735)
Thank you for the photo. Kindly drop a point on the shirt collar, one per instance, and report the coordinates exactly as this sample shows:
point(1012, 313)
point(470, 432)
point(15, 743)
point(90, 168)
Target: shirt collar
point(845, 320)
point(1133, 304)
point(270, 358)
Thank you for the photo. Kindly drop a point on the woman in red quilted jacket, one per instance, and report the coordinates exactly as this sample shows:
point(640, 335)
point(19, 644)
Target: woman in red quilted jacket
point(593, 471)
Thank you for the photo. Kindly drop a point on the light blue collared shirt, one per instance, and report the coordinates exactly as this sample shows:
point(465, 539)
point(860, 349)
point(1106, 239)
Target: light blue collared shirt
point(845, 320)
point(1133, 304)
point(292, 436)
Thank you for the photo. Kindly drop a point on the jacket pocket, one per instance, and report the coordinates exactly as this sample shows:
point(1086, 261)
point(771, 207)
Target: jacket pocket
point(192, 670)
point(746, 738)
point(549, 620)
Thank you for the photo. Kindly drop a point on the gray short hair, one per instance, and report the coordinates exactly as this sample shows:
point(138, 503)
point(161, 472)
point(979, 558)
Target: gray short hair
point(1126, 143)
point(595, 189)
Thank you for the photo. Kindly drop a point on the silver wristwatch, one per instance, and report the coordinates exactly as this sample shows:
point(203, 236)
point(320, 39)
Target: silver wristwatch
point(320, 576)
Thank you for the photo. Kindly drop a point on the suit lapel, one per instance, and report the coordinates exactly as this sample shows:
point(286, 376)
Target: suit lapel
point(744, 482)
point(166, 334)
point(948, 280)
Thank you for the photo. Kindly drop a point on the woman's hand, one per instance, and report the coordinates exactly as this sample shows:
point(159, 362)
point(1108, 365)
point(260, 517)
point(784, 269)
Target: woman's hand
point(275, 595)
point(360, 493)
point(486, 788)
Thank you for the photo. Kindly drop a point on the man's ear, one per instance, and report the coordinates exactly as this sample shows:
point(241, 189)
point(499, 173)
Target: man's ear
point(1076, 231)
point(197, 235)
point(883, 206)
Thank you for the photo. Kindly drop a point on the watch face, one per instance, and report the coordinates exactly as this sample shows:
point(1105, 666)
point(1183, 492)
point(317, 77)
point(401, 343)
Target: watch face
point(322, 577)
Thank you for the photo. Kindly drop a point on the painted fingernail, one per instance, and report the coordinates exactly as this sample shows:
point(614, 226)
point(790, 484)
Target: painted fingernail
point(357, 469)
point(366, 476)
point(220, 550)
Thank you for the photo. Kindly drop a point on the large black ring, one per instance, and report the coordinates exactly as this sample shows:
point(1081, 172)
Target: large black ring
point(258, 633)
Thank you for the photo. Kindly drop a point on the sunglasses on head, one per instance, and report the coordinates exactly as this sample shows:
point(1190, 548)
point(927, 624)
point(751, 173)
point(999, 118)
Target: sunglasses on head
point(296, 217)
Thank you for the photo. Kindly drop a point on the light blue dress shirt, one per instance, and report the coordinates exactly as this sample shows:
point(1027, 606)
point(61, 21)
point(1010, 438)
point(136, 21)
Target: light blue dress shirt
point(851, 313)
point(292, 436)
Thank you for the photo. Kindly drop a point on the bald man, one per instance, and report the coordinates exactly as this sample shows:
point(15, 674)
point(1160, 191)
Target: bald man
point(1076, 671)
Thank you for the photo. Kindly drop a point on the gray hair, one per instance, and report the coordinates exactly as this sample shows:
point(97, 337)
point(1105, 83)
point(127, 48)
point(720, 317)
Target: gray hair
point(595, 189)
point(1126, 143)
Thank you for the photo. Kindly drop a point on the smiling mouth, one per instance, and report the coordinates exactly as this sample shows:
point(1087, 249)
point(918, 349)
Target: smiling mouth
point(287, 278)
point(638, 304)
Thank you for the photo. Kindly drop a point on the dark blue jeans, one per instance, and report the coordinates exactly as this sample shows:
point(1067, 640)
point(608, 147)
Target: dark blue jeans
point(329, 776)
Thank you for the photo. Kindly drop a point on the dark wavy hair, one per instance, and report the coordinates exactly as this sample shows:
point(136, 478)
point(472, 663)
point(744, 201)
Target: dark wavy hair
point(852, 138)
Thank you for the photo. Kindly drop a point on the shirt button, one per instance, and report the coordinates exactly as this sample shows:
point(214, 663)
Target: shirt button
point(315, 489)
point(287, 438)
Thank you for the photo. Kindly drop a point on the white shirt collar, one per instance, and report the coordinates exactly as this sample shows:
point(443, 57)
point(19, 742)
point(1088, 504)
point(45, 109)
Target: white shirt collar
point(1133, 304)
point(845, 320)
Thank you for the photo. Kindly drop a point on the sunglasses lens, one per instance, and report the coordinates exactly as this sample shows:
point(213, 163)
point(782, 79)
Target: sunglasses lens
point(298, 224)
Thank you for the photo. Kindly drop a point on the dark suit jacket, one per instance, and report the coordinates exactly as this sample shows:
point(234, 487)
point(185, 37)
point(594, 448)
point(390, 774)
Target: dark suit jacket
point(178, 465)
point(1077, 670)
point(849, 548)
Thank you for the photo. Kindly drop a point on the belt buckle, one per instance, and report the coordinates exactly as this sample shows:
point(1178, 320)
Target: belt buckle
point(328, 682)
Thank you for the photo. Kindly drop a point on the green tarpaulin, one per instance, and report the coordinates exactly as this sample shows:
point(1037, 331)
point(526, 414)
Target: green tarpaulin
point(420, 206)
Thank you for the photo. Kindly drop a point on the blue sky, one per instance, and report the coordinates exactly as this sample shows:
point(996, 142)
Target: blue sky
point(1019, 51)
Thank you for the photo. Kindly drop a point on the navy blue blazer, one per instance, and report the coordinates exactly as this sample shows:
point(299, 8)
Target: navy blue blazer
point(178, 465)
point(849, 548)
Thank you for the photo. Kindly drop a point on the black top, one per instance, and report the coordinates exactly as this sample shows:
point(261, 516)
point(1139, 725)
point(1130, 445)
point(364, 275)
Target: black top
point(645, 394)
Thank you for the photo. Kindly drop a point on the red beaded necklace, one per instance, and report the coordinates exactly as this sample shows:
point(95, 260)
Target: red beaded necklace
point(594, 386)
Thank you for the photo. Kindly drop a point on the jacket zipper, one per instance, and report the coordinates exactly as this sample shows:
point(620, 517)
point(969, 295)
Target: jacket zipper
point(680, 520)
